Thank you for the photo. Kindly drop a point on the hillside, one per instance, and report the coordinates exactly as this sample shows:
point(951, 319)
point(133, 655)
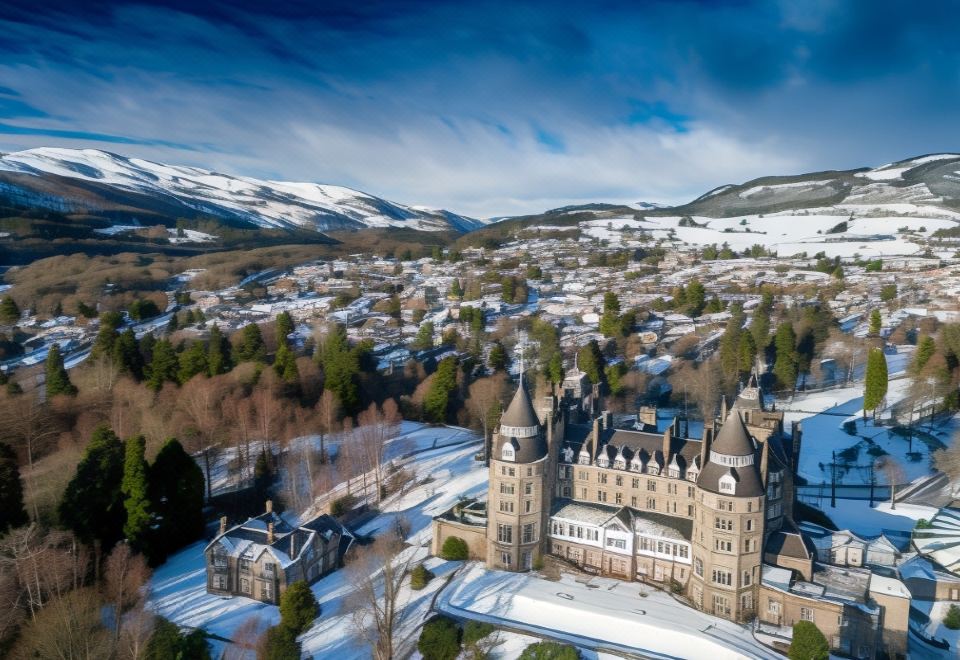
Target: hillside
point(131, 189)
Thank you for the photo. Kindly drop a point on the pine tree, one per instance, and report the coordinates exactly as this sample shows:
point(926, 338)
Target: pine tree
point(58, 381)
point(590, 360)
point(424, 337)
point(298, 607)
point(92, 504)
point(126, 354)
point(695, 298)
point(285, 327)
point(176, 489)
point(610, 325)
point(218, 357)
point(748, 352)
point(876, 323)
point(251, 347)
point(875, 387)
point(341, 368)
point(12, 511)
point(926, 347)
point(192, 361)
point(285, 364)
point(497, 360)
point(9, 311)
point(785, 367)
point(164, 366)
point(456, 290)
point(554, 371)
point(437, 402)
point(135, 490)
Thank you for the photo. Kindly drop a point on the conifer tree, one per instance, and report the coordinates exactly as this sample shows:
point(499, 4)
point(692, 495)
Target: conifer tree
point(285, 327)
point(436, 404)
point(554, 371)
point(164, 365)
point(12, 511)
point(748, 352)
point(135, 490)
point(456, 290)
point(92, 504)
point(497, 360)
point(590, 360)
point(876, 323)
point(926, 347)
point(285, 364)
point(57, 381)
point(341, 368)
point(785, 367)
point(298, 607)
point(126, 354)
point(176, 489)
point(251, 347)
point(875, 386)
point(218, 356)
point(192, 361)
point(695, 298)
point(9, 311)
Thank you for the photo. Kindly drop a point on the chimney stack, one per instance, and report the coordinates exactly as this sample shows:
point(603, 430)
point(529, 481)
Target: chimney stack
point(223, 525)
point(293, 546)
point(270, 537)
point(269, 506)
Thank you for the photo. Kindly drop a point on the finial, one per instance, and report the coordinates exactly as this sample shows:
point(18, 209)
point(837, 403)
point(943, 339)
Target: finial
point(521, 347)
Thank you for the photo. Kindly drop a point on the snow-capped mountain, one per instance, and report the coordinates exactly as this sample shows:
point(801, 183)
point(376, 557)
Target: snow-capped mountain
point(90, 180)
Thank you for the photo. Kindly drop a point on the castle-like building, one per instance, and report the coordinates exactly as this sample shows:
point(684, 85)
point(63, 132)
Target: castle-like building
point(711, 518)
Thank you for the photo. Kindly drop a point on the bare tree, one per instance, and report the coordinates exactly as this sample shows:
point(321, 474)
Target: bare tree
point(948, 460)
point(893, 471)
point(30, 427)
point(44, 565)
point(125, 574)
point(244, 639)
point(68, 627)
point(484, 394)
point(200, 402)
point(376, 429)
point(328, 411)
point(378, 605)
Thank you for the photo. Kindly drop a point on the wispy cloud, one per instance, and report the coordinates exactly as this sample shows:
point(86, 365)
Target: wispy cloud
point(488, 108)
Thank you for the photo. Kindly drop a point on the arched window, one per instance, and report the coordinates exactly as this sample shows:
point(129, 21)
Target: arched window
point(507, 453)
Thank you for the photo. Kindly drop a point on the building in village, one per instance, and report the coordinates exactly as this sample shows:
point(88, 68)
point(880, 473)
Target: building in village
point(262, 556)
point(711, 518)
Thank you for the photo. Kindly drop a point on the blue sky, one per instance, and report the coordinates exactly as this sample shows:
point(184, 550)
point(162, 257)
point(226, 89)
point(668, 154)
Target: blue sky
point(487, 108)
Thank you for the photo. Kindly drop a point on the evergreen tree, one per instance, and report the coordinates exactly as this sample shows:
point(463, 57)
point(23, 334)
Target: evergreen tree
point(298, 607)
point(610, 325)
point(590, 360)
point(173, 324)
point(424, 337)
point(9, 311)
point(714, 306)
point(251, 347)
point(497, 361)
point(168, 643)
point(285, 364)
point(554, 371)
point(439, 639)
point(136, 497)
point(176, 488)
point(262, 476)
point(785, 367)
point(193, 361)
point(456, 290)
point(747, 353)
point(12, 511)
point(218, 356)
point(875, 323)
point(508, 289)
point(164, 365)
point(808, 642)
point(285, 327)
point(126, 354)
point(760, 324)
point(107, 335)
point(695, 298)
point(279, 643)
point(875, 387)
point(92, 504)
point(341, 368)
point(437, 402)
point(926, 347)
point(58, 381)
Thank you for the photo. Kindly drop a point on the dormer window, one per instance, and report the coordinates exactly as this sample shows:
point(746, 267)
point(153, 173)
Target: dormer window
point(620, 464)
point(728, 484)
point(636, 465)
point(692, 474)
point(584, 458)
point(653, 468)
point(508, 453)
point(603, 461)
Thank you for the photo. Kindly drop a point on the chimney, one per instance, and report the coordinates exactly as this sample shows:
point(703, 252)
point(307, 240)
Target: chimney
point(607, 420)
point(269, 506)
point(595, 439)
point(723, 408)
point(293, 545)
point(666, 447)
point(223, 525)
point(648, 416)
point(705, 446)
point(764, 460)
point(270, 537)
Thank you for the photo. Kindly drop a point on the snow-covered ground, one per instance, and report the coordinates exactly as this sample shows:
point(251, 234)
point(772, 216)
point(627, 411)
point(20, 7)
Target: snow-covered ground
point(858, 517)
point(178, 588)
point(602, 614)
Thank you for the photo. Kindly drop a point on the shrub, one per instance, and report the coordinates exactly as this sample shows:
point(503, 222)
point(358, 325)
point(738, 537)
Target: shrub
point(278, 643)
point(808, 643)
point(342, 505)
point(419, 577)
point(550, 651)
point(455, 548)
point(298, 607)
point(952, 619)
point(440, 639)
point(474, 631)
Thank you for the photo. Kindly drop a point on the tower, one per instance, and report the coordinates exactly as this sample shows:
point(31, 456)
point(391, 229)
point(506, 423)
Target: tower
point(728, 524)
point(518, 502)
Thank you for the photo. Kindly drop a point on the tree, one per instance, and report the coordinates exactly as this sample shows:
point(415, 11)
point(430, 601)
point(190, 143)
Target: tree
point(164, 365)
point(808, 642)
point(497, 361)
point(69, 626)
point(168, 642)
point(894, 474)
point(124, 575)
point(424, 337)
point(12, 511)
point(92, 504)
point(285, 327)
point(437, 403)
point(876, 381)
point(262, 476)
point(143, 308)
point(439, 639)
point(695, 298)
point(57, 381)
point(456, 289)
point(785, 367)
point(134, 487)
point(952, 618)
point(926, 347)
point(298, 607)
point(875, 323)
point(251, 347)
point(9, 312)
point(176, 497)
point(218, 358)
point(127, 356)
point(550, 651)
point(285, 364)
point(747, 353)
point(590, 360)
point(554, 370)
point(455, 549)
point(192, 362)
point(341, 368)
point(610, 319)
point(279, 643)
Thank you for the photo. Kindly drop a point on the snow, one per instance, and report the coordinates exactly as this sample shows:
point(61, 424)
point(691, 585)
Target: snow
point(859, 518)
point(756, 190)
point(603, 613)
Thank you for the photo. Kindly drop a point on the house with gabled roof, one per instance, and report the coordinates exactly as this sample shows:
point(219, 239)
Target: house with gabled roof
point(259, 558)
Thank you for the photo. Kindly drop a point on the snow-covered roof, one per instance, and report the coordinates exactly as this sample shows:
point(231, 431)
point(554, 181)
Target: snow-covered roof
point(941, 540)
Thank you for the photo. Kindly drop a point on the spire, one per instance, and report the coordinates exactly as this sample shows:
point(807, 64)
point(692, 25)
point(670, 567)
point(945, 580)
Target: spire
point(520, 412)
point(521, 348)
point(733, 438)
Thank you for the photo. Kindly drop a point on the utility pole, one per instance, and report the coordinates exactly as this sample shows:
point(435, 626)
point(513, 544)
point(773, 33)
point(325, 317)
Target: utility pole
point(833, 481)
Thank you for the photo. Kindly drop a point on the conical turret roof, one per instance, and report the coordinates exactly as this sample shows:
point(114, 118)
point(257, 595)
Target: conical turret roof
point(733, 438)
point(751, 396)
point(520, 412)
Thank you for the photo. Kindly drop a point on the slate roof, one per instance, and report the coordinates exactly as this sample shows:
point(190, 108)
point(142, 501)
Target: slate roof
point(520, 412)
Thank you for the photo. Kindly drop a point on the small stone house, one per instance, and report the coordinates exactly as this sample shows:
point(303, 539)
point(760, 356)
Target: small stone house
point(260, 557)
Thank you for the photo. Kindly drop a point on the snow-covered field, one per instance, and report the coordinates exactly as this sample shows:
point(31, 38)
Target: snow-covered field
point(603, 613)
